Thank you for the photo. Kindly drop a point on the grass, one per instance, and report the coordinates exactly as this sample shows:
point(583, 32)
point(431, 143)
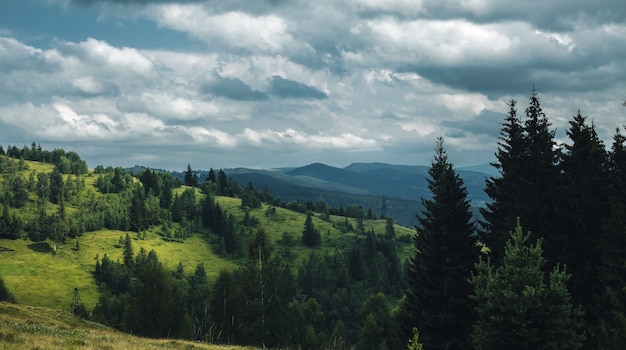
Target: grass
point(287, 221)
point(28, 327)
point(40, 278)
point(37, 277)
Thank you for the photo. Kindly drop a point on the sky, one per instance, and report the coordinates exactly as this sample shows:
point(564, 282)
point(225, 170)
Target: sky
point(281, 83)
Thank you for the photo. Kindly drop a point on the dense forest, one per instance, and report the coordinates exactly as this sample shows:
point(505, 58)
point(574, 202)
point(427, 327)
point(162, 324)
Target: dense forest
point(543, 268)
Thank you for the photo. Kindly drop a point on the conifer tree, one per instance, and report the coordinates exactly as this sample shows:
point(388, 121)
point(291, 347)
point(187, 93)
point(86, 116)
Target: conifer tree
point(611, 331)
point(310, 236)
point(583, 208)
point(198, 301)
point(223, 307)
point(445, 254)
point(501, 212)
point(137, 211)
point(539, 171)
point(527, 162)
point(518, 307)
point(190, 179)
point(129, 258)
point(267, 286)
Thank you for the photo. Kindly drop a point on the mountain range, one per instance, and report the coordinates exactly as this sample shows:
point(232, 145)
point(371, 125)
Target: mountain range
point(362, 184)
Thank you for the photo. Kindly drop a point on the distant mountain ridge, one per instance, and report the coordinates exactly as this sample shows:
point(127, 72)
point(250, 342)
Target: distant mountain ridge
point(361, 183)
point(358, 184)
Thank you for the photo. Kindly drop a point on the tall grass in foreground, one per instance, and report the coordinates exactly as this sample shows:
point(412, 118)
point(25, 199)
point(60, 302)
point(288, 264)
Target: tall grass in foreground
point(27, 327)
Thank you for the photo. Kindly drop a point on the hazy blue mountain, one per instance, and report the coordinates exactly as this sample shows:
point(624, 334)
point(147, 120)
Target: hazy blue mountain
point(359, 183)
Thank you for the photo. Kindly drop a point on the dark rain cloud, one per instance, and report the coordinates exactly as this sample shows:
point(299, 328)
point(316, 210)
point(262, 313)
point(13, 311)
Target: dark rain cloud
point(232, 88)
point(555, 15)
point(487, 122)
point(285, 88)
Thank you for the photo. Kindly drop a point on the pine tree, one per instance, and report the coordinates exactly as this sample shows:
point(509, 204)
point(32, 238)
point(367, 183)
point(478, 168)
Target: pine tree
point(527, 161)
point(137, 211)
point(223, 307)
point(582, 211)
point(518, 307)
point(198, 301)
point(539, 171)
point(310, 236)
point(267, 286)
point(500, 214)
point(190, 180)
point(128, 255)
point(165, 200)
point(223, 189)
point(611, 331)
point(445, 254)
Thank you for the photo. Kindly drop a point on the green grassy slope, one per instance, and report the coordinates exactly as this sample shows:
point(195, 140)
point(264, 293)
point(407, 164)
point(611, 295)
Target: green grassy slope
point(292, 222)
point(27, 327)
point(38, 277)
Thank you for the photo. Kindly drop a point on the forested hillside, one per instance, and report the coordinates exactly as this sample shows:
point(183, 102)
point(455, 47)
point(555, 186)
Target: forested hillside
point(206, 259)
point(152, 255)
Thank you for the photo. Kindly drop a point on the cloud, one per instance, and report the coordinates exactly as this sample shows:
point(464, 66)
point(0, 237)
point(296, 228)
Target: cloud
point(272, 83)
point(343, 141)
point(252, 33)
point(102, 54)
point(232, 88)
point(487, 122)
point(559, 15)
point(18, 57)
point(129, 2)
point(285, 88)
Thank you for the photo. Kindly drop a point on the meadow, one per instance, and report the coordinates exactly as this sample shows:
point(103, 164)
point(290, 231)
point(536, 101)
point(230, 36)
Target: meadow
point(31, 327)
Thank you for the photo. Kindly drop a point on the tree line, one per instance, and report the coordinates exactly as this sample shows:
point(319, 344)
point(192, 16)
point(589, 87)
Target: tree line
point(544, 267)
point(366, 263)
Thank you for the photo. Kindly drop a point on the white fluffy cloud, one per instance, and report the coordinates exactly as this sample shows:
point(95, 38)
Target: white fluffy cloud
point(282, 84)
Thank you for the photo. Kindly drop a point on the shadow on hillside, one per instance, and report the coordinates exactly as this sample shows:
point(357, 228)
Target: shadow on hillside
point(41, 247)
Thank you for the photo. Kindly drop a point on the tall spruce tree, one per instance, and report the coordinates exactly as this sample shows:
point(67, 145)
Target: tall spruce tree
point(445, 254)
point(538, 170)
point(190, 178)
point(583, 208)
point(611, 331)
point(518, 307)
point(527, 161)
point(500, 214)
point(310, 236)
point(267, 286)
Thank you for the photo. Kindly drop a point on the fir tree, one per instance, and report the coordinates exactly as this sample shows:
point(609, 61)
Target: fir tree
point(310, 236)
point(128, 253)
point(445, 254)
point(190, 178)
point(501, 212)
point(518, 307)
point(539, 171)
point(582, 211)
point(611, 331)
point(527, 161)
point(137, 211)
point(267, 286)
